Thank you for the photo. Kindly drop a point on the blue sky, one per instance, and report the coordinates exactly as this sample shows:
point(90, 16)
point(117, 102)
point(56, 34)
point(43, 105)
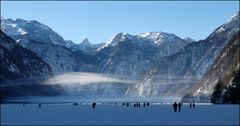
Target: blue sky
point(99, 21)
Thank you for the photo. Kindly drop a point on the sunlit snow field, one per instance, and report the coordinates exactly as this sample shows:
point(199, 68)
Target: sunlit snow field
point(116, 113)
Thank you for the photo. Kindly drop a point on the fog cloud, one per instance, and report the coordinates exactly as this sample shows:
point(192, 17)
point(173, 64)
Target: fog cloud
point(84, 78)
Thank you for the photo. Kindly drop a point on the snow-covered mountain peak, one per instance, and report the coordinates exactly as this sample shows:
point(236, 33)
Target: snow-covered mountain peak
point(188, 39)
point(23, 23)
point(113, 41)
point(35, 30)
point(11, 27)
point(158, 37)
point(149, 34)
point(118, 37)
point(230, 27)
point(153, 38)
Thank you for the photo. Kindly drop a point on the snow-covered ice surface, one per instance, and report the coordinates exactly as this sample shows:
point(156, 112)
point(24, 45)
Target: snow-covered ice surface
point(110, 114)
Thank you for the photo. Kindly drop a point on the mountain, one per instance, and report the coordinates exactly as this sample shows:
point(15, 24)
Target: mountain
point(42, 40)
point(66, 56)
point(23, 30)
point(69, 44)
point(130, 56)
point(18, 62)
point(220, 75)
point(152, 38)
point(175, 74)
point(162, 64)
point(86, 46)
point(21, 70)
point(46, 43)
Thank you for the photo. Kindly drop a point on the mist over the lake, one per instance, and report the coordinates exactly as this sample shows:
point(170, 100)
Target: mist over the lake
point(83, 78)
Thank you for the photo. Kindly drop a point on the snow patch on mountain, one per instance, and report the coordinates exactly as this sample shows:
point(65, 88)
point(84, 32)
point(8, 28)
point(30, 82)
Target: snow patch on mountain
point(188, 39)
point(234, 17)
point(12, 28)
point(221, 29)
point(157, 37)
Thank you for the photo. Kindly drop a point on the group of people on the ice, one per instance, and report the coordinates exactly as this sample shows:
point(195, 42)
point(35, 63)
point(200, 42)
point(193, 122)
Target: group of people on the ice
point(178, 106)
point(192, 105)
point(138, 104)
point(135, 104)
point(175, 106)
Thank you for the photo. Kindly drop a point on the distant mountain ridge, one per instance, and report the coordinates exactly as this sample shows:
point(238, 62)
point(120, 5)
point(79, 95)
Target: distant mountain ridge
point(66, 56)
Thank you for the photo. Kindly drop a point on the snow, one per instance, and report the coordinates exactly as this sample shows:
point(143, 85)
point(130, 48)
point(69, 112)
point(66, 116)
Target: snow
point(22, 32)
point(159, 38)
point(144, 35)
point(234, 17)
point(18, 40)
point(221, 29)
point(111, 114)
point(12, 28)
point(113, 41)
point(188, 39)
point(17, 29)
point(13, 25)
point(156, 38)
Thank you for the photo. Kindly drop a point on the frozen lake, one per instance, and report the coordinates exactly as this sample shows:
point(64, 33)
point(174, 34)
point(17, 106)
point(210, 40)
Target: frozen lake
point(67, 113)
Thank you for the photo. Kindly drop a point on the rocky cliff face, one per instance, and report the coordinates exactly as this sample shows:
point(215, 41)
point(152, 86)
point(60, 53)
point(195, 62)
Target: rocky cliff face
point(18, 62)
point(220, 74)
point(19, 66)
